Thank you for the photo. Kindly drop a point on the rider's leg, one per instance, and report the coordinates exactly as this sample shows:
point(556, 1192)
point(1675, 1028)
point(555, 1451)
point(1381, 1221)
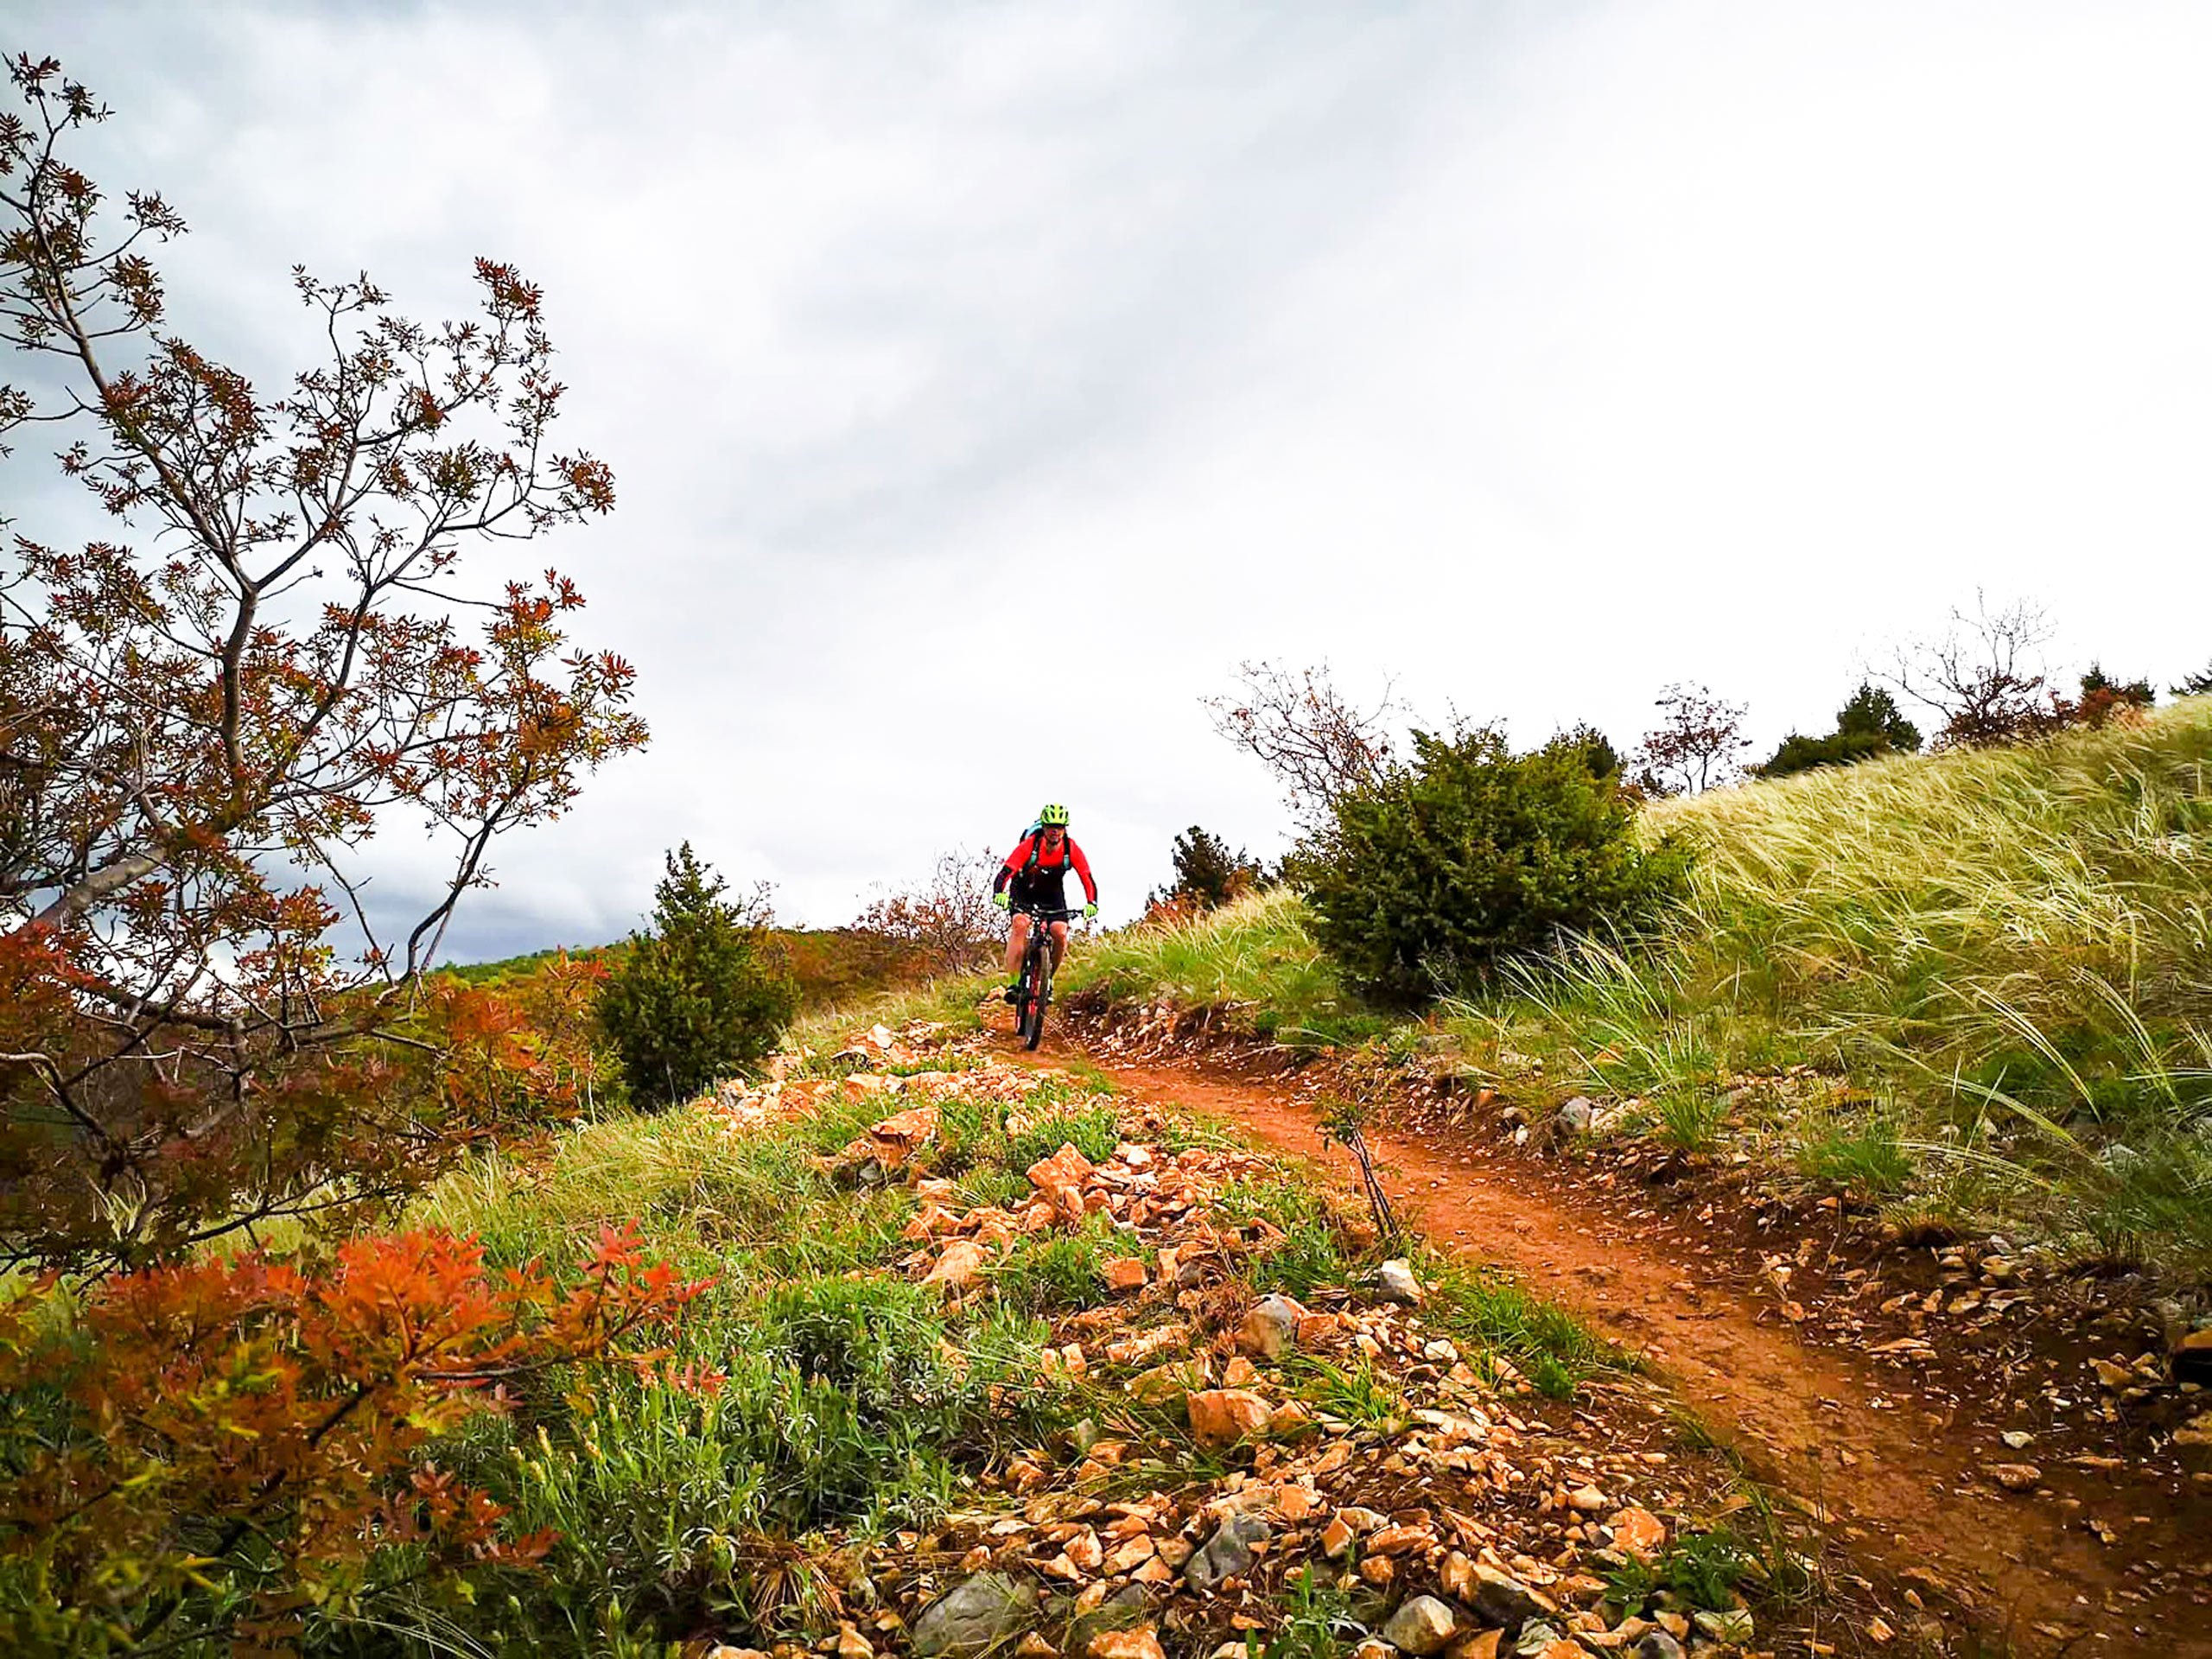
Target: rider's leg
point(1059, 943)
point(1016, 939)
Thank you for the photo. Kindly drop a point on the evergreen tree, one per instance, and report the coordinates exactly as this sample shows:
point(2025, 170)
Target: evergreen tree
point(1596, 748)
point(1873, 712)
point(2195, 686)
point(1871, 724)
point(1206, 872)
point(702, 993)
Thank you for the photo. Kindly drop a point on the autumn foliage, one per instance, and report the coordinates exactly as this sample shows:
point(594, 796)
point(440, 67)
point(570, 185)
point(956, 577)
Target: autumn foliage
point(209, 1024)
point(203, 719)
point(224, 1445)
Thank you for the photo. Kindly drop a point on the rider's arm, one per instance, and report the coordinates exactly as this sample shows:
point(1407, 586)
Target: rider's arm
point(1083, 869)
point(1014, 861)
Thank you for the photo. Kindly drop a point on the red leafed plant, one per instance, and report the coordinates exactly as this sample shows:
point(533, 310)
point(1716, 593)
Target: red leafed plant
point(216, 1447)
point(208, 1020)
point(203, 717)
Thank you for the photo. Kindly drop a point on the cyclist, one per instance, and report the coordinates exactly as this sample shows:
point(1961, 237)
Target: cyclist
point(1035, 874)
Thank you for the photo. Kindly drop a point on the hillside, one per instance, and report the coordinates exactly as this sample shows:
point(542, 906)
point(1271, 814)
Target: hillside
point(991, 1356)
point(1975, 987)
point(832, 965)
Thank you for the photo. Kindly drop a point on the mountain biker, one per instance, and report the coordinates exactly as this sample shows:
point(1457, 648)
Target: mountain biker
point(1035, 874)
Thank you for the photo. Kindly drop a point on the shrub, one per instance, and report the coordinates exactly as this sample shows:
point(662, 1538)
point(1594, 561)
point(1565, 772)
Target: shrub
point(1871, 724)
point(1207, 876)
point(206, 1452)
point(688, 1495)
point(2104, 698)
point(947, 922)
point(700, 995)
point(1472, 854)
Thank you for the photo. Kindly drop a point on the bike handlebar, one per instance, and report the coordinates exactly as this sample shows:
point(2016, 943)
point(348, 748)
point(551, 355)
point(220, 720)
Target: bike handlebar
point(1045, 913)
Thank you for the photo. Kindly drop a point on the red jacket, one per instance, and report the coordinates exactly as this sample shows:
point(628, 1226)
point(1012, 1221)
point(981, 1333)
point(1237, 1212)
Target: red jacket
point(1048, 863)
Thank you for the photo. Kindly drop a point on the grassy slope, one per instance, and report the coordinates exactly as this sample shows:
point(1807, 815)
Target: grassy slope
point(854, 1402)
point(2005, 957)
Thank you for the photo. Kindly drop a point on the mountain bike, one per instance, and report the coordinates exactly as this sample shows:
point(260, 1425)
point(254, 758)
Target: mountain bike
point(1033, 993)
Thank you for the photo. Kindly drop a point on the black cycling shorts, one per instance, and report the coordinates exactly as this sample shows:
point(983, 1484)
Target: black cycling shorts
point(1039, 891)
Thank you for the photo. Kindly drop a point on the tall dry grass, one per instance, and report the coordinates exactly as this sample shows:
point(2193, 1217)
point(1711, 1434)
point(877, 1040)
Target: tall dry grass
point(1998, 962)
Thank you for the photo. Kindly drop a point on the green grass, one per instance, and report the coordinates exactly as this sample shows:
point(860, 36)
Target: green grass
point(1317, 1622)
point(2010, 948)
point(951, 1001)
point(1482, 1308)
point(1316, 1251)
point(1863, 1156)
point(1092, 1128)
point(1354, 1393)
point(1058, 1272)
point(1255, 959)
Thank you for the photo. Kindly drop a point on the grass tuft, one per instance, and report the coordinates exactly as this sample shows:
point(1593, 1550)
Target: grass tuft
point(2010, 948)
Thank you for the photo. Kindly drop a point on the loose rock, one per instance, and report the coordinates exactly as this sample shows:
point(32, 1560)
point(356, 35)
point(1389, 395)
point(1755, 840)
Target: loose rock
point(1270, 1327)
point(1394, 1281)
point(973, 1617)
point(1222, 1417)
point(1143, 1642)
point(960, 1265)
point(1421, 1625)
point(1503, 1599)
point(2015, 1477)
point(1125, 1273)
point(1638, 1533)
point(1121, 1614)
point(1227, 1552)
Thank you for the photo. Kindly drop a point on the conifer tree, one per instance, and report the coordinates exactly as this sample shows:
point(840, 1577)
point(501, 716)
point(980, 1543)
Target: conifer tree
point(702, 992)
point(1207, 875)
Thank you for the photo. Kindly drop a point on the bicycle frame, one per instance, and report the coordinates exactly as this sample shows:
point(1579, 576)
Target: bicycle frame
point(1033, 993)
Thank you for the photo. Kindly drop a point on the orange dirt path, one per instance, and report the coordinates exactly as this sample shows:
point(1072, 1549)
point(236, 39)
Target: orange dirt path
point(1820, 1423)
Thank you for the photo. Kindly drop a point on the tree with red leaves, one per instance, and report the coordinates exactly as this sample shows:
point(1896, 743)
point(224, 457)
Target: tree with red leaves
point(1694, 746)
point(203, 720)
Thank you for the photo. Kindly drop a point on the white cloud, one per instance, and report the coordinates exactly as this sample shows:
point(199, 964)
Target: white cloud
point(983, 382)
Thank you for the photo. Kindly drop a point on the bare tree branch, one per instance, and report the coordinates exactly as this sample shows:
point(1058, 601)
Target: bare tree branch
point(1318, 743)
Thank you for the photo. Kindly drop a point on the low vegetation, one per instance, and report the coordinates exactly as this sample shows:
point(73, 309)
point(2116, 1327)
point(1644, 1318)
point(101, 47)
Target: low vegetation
point(888, 1325)
point(1428, 878)
point(1978, 978)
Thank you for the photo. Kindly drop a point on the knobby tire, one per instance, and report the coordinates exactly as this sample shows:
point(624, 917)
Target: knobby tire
point(1037, 990)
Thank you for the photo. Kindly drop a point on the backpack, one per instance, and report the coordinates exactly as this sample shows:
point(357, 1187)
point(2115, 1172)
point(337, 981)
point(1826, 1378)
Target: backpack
point(1034, 835)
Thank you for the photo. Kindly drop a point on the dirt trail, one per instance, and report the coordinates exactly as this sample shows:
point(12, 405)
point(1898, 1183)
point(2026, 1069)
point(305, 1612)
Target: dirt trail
point(1827, 1427)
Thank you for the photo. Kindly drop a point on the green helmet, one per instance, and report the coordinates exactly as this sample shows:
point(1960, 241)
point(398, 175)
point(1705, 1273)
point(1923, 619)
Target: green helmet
point(1054, 813)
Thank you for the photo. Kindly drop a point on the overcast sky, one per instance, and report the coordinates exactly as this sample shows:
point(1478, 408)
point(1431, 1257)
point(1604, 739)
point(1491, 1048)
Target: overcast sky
point(983, 382)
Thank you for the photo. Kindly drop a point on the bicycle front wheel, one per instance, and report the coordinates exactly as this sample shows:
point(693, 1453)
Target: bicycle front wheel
point(1040, 999)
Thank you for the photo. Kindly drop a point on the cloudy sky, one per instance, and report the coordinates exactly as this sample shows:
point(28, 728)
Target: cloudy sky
point(983, 382)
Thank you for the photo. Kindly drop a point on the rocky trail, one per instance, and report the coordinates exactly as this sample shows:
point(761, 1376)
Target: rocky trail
point(2028, 1467)
point(1361, 1468)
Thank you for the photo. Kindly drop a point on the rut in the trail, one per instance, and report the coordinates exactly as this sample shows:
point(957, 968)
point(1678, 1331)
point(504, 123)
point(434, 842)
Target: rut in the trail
point(1831, 1428)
